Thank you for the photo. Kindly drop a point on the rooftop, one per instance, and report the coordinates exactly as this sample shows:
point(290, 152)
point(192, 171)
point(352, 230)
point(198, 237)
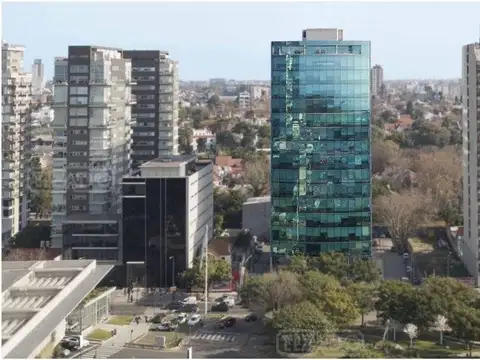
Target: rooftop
point(38, 295)
point(169, 161)
point(256, 200)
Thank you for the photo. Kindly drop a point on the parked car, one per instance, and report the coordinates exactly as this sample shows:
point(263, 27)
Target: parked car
point(406, 256)
point(251, 317)
point(226, 322)
point(220, 307)
point(174, 305)
point(189, 308)
point(194, 320)
point(191, 300)
point(393, 249)
point(182, 318)
point(165, 327)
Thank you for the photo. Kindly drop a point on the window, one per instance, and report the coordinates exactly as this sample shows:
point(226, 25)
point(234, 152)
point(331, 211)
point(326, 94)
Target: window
point(78, 122)
point(78, 90)
point(79, 142)
point(143, 87)
point(146, 115)
point(78, 111)
point(78, 100)
point(75, 69)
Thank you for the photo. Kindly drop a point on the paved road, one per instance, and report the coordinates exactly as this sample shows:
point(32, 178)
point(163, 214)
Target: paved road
point(129, 353)
point(393, 267)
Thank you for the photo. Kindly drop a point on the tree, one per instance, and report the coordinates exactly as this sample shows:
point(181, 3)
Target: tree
point(331, 263)
point(185, 134)
point(305, 317)
point(264, 131)
point(213, 102)
point(465, 325)
point(249, 114)
point(363, 295)
point(41, 201)
point(327, 293)
point(401, 214)
point(198, 116)
point(411, 330)
point(361, 270)
point(439, 175)
point(273, 291)
point(201, 145)
point(298, 264)
point(384, 154)
point(441, 324)
point(226, 139)
point(244, 239)
point(35, 254)
point(218, 270)
point(410, 109)
point(218, 223)
point(257, 175)
point(31, 236)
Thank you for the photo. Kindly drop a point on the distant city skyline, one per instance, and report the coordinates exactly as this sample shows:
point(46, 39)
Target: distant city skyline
point(232, 40)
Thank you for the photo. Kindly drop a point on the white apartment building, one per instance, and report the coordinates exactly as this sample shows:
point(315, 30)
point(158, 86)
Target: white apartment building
point(244, 100)
point(91, 150)
point(258, 91)
point(469, 250)
point(376, 80)
point(16, 101)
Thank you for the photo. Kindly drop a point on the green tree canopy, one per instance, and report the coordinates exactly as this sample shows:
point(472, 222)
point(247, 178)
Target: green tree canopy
point(364, 296)
point(465, 324)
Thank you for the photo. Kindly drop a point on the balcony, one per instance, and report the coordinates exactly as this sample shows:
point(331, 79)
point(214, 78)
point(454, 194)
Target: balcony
point(165, 89)
point(100, 82)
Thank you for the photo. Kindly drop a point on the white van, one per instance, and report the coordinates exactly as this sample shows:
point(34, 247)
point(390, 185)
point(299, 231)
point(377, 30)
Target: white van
point(191, 300)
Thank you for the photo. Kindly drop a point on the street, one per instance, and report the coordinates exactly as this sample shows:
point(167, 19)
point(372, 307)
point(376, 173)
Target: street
point(393, 267)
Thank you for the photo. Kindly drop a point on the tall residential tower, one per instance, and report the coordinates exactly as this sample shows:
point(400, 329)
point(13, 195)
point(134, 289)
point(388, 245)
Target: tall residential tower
point(38, 78)
point(377, 80)
point(92, 141)
point(469, 248)
point(321, 161)
point(16, 101)
point(155, 128)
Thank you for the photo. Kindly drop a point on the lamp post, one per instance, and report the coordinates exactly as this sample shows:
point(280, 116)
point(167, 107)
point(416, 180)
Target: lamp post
point(448, 263)
point(173, 269)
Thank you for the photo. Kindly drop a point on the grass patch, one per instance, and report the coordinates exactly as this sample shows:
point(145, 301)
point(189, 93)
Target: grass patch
point(94, 293)
point(172, 338)
point(99, 335)
point(120, 320)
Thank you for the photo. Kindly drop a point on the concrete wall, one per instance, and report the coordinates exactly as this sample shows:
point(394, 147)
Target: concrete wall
point(256, 217)
point(54, 337)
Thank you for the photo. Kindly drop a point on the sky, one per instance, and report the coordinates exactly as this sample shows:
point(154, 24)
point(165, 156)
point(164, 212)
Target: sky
point(232, 40)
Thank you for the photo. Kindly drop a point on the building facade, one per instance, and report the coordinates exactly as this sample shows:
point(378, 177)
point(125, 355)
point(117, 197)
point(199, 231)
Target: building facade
point(376, 80)
point(38, 78)
point(320, 159)
point(165, 212)
point(155, 127)
point(469, 248)
point(16, 102)
point(91, 151)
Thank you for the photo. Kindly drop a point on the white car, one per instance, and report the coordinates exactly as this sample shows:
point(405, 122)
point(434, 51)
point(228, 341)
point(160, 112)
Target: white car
point(406, 256)
point(182, 318)
point(194, 320)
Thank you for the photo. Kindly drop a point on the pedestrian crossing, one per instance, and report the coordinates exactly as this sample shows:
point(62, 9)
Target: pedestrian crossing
point(214, 337)
point(101, 352)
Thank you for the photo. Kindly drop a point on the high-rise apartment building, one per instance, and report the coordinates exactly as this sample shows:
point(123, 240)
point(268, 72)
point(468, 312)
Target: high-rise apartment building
point(469, 248)
point(321, 161)
point(377, 80)
point(92, 139)
point(38, 80)
point(16, 101)
point(155, 128)
point(165, 212)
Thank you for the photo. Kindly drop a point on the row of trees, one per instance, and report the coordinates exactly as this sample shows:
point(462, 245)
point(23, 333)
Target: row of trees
point(415, 186)
point(320, 293)
point(326, 294)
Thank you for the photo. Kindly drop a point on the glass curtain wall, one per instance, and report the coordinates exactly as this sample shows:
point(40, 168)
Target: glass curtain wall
point(321, 160)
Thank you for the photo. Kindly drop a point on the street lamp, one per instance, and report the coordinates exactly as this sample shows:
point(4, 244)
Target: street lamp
point(173, 269)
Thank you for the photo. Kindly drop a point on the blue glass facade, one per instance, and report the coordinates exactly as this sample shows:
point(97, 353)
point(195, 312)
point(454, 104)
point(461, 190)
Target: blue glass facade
point(321, 160)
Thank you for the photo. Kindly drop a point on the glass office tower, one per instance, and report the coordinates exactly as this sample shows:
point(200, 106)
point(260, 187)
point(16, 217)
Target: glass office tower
point(321, 160)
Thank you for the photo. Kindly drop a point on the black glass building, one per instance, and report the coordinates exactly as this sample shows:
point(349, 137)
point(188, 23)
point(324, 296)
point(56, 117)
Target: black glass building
point(321, 159)
point(165, 211)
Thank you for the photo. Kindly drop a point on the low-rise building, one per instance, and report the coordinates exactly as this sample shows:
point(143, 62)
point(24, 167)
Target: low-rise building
point(256, 217)
point(37, 297)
